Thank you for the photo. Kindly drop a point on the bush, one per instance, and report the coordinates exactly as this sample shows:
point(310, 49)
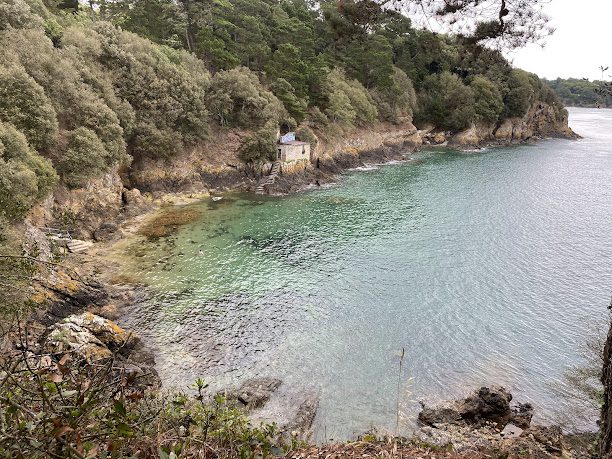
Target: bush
point(348, 102)
point(17, 14)
point(260, 146)
point(398, 100)
point(85, 157)
point(24, 104)
point(237, 98)
point(63, 406)
point(25, 177)
point(447, 102)
point(488, 100)
point(305, 134)
point(520, 94)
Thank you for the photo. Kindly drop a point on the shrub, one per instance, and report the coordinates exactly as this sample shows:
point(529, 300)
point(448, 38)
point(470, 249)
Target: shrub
point(447, 102)
point(24, 104)
point(347, 101)
point(25, 177)
point(260, 146)
point(17, 14)
point(398, 100)
point(520, 94)
point(237, 98)
point(488, 100)
point(305, 134)
point(85, 157)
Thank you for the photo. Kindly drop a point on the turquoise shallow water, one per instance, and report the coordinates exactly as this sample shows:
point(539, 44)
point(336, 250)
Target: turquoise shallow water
point(487, 267)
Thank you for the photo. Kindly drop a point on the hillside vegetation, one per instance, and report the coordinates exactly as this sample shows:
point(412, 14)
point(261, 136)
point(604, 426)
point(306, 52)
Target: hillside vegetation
point(83, 91)
point(578, 92)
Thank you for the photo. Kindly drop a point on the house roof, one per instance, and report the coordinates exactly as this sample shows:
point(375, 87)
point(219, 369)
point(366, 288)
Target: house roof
point(294, 142)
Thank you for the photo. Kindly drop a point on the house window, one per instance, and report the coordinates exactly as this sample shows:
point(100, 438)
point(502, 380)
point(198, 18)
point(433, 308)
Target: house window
point(303, 150)
point(279, 154)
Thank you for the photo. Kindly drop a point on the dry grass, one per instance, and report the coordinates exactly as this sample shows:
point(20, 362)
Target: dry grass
point(379, 450)
point(167, 222)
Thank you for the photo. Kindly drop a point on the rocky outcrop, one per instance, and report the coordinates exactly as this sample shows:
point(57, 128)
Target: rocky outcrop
point(488, 421)
point(485, 406)
point(94, 339)
point(542, 120)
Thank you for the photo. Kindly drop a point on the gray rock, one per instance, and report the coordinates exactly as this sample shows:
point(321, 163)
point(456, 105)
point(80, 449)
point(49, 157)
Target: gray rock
point(489, 403)
point(440, 415)
point(511, 431)
point(253, 393)
point(522, 414)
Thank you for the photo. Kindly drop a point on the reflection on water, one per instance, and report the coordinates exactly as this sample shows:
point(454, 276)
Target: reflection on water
point(487, 267)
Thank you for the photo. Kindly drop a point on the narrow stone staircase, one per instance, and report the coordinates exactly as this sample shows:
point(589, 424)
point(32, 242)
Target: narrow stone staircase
point(268, 179)
point(78, 246)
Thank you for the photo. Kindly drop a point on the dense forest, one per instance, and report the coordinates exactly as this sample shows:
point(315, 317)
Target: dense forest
point(85, 89)
point(578, 92)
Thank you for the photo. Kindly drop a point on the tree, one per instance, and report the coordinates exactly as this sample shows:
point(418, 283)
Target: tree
point(447, 102)
point(488, 100)
point(398, 100)
point(25, 177)
point(24, 104)
point(519, 96)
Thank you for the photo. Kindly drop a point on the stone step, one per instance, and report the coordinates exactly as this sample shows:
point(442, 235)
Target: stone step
point(78, 246)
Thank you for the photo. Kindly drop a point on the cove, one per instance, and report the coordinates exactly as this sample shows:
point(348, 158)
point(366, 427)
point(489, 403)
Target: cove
point(487, 267)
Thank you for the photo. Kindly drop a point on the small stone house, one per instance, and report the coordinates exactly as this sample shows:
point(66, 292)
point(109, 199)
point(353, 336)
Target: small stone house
point(293, 150)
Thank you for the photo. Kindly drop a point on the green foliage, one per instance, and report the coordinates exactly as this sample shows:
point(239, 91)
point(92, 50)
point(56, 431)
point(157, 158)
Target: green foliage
point(24, 104)
point(237, 98)
point(520, 94)
point(397, 100)
point(17, 14)
point(260, 146)
point(447, 102)
point(25, 177)
point(578, 92)
point(488, 100)
point(84, 158)
point(348, 101)
point(286, 94)
point(63, 406)
point(305, 134)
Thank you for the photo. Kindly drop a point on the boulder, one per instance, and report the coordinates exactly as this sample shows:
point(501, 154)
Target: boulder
point(441, 414)
point(90, 336)
point(488, 403)
point(253, 393)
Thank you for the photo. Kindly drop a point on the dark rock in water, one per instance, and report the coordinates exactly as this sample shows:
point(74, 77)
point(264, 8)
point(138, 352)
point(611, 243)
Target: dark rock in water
point(107, 232)
point(440, 415)
point(253, 393)
point(487, 404)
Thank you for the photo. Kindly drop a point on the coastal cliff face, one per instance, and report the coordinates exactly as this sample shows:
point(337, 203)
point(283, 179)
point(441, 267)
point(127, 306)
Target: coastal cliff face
point(215, 166)
point(606, 410)
point(542, 120)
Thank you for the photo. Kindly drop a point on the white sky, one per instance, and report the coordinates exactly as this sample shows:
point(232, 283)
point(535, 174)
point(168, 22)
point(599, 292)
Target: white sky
point(581, 43)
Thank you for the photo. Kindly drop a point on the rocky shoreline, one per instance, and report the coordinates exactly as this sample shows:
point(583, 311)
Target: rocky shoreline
point(78, 307)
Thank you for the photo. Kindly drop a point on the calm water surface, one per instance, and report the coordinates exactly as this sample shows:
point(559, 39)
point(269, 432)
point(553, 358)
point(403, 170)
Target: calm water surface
point(486, 267)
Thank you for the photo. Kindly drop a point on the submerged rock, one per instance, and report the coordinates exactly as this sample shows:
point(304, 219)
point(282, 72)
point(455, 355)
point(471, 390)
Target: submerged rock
point(253, 393)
